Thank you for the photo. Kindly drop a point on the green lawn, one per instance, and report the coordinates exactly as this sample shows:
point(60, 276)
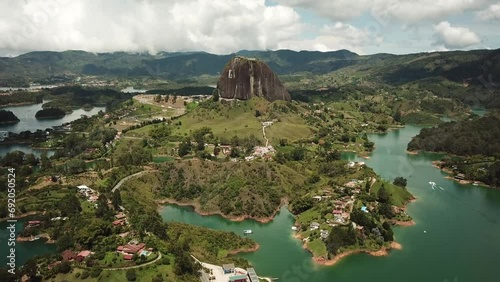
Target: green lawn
point(309, 216)
point(317, 247)
point(399, 196)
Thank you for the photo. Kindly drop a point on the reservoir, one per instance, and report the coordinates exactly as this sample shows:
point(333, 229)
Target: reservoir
point(27, 120)
point(24, 250)
point(455, 237)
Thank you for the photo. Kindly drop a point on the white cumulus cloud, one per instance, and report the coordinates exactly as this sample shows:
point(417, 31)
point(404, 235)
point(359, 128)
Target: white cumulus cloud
point(335, 37)
point(491, 13)
point(386, 11)
point(217, 26)
point(455, 37)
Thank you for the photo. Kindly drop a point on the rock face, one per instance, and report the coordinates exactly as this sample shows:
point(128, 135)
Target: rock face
point(244, 78)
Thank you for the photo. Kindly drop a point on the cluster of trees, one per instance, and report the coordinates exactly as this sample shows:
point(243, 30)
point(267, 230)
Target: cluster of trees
point(8, 117)
point(301, 205)
point(340, 237)
point(50, 113)
point(477, 136)
point(21, 97)
point(134, 154)
point(144, 123)
point(296, 154)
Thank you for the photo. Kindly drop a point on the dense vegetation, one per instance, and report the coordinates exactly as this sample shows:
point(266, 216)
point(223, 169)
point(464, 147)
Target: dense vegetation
point(21, 97)
point(476, 136)
point(8, 117)
point(50, 113)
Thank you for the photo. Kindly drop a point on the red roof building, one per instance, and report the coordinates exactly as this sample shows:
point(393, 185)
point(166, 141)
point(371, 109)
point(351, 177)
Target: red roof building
point(131, 248)
point(82, 255)
point(127, 257)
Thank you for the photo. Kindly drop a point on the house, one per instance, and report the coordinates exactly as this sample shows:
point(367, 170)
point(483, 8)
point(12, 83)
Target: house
point(83, 255)
point(338, 212)
point(4, 135)
point(324, 234)
point(460, 176)
point(318, 198)
point(120, 215)
point(120, 222)
point(314, 226)
point(252, 275)
point(68, 255)
point(228, 268)
point(249, 158)
point(238, 278)
point(131, 248)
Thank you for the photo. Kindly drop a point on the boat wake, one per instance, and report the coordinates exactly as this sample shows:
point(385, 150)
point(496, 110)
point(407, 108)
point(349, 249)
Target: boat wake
point(434, 186)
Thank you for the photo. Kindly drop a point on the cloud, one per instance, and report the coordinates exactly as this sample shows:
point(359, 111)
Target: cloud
point(407, 11)
point(217, 26)
point(455, 37)
point(491, 13)
point(335, 37)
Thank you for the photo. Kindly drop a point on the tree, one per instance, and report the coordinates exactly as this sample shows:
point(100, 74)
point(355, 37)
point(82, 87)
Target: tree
point(298, 153)
point(215, 96)
point(158, 98)
point(385, 209)
point(400, 181)
point(116, 199)
point(235, 153)
point(184, 264)
point(333, 156)
point(257, 113)
point(131, 276)
point(70, 205)
point(301, 205)
point(383, 195)
point(184, 148)
point(64, 267)
point(95, 271)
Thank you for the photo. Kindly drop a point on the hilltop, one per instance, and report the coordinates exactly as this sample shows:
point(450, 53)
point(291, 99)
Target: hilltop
point(244, 78)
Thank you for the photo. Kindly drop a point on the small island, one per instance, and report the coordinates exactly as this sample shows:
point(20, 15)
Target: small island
point(8, 117)
point(50, 113)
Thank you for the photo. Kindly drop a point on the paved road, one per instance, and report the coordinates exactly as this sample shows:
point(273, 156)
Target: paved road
point(136, 266)
point(119, 184)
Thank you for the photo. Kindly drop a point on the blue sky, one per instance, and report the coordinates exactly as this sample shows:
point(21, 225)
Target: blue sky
point(226, 26)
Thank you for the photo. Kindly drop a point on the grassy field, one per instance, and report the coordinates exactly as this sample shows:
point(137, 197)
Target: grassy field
point(226, 121)
point(399, 196)
point(317, 247)
point(290, 127)
point(146, 273)
point(43, 198)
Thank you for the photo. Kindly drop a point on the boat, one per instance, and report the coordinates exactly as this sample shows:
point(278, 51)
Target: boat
point(34, 238)
point(294, 228)
point(247, 231)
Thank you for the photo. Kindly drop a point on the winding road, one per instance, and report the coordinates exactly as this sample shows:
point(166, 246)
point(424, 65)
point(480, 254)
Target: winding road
point(120, 183)
point(136, 266)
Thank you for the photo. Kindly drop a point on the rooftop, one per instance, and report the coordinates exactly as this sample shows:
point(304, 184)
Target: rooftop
point(228, 266)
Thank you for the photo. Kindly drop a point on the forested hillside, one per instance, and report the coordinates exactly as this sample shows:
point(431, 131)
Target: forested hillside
point(477, 136)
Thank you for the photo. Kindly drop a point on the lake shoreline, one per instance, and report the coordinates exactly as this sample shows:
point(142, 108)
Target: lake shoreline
point(23, 215)
point(446, 170)
point(197, 209)
point(384, 251)
point(43, 235)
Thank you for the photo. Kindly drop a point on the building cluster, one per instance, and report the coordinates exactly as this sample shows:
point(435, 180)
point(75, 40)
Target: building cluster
point(234, 274)
point(133, 248)
point(87, 192)
point(121, 219)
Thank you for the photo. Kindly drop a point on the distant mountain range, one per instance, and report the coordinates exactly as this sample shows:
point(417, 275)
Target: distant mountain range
point(458, 66)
